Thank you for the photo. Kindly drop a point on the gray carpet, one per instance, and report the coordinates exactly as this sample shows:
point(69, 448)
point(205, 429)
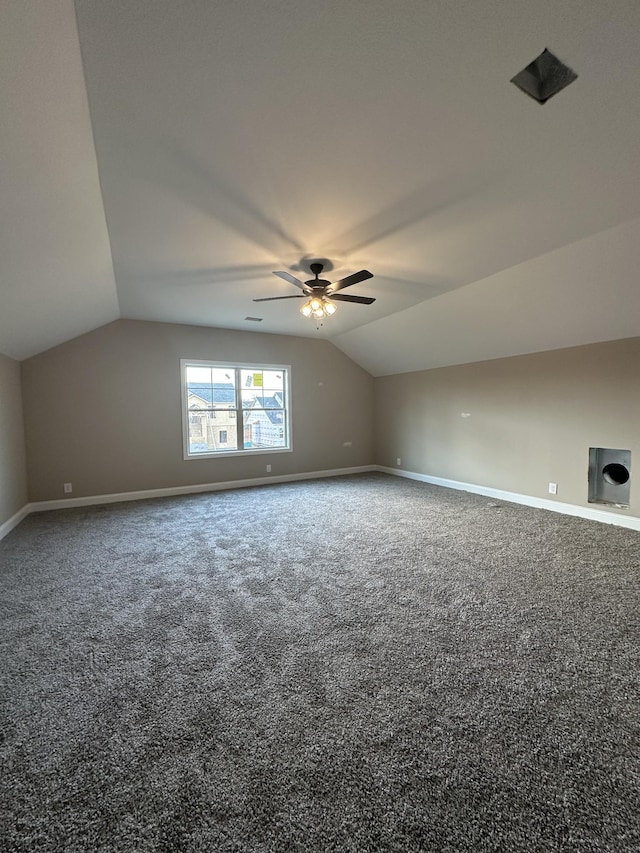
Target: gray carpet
point(356, 664)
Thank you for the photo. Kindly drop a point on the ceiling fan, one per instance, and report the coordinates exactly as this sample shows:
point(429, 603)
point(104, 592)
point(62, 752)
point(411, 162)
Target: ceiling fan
point(321, 294)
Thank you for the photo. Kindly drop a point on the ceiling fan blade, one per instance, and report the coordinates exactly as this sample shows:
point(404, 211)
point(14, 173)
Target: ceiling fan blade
point(290, 278)
point(271, 298)
point(354, 278)
point(345, 297)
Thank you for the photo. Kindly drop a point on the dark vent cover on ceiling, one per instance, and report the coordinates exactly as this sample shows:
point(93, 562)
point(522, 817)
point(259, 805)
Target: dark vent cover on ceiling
point(544, 77)
point(254, 319)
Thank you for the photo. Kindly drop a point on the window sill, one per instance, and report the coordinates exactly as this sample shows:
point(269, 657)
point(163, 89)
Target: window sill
point(226, 453)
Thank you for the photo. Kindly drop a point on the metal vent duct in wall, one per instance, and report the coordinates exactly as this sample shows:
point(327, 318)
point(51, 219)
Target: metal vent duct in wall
point(609, 476)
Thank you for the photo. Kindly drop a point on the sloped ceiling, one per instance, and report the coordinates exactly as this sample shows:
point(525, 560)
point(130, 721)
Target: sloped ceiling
point(237, 138)
point(56, 276)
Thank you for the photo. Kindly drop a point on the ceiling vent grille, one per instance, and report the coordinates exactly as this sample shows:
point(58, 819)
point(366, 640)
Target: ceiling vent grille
point(544, 77)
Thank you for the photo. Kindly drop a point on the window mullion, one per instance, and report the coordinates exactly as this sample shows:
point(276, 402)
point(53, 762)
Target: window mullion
point(239, 420)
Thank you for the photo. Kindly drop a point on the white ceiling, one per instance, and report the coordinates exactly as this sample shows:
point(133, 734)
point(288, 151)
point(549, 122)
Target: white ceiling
point(239, 137)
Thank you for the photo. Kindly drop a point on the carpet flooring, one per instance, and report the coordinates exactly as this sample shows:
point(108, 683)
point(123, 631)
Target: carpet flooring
point(352, 664)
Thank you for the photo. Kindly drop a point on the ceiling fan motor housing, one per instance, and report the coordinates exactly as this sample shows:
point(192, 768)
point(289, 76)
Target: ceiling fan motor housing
point(317, 283)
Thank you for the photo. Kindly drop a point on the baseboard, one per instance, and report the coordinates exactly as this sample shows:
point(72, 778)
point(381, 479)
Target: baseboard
point(93, 500)
point(630, 521)
point(14, 521)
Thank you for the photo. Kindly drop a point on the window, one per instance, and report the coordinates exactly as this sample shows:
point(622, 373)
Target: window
point(249, 403)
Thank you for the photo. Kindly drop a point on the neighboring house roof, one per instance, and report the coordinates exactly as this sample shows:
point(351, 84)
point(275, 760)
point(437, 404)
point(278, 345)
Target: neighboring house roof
point(269, 407)
point(219, 392)
point(275, 417)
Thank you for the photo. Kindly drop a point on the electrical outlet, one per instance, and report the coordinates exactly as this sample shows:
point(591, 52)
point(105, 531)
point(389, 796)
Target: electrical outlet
point(268, 469)
point(553, 488)
point(68, 488)
point(398, 461)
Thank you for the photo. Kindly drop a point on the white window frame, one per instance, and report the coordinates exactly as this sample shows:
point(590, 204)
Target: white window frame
point(231, 365)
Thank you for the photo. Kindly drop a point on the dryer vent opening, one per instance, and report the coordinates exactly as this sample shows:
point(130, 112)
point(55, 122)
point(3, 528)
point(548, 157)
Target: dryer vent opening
point(615, 474)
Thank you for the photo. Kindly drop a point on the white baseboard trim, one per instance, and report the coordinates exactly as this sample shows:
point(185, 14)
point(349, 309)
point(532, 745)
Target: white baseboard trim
point(94, 500)
point(14, 521)
point(630, 521)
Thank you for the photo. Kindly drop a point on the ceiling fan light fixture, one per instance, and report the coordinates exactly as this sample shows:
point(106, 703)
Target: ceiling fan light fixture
point(318, 292)
point(318, 307)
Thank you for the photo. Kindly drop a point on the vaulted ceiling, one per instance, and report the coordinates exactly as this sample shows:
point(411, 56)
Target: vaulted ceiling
point(162, 158)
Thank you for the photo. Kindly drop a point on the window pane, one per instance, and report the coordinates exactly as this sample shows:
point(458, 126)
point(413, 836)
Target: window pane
point(198, 374)
point(224, 385)
point(263, 428)
point(251, 378)
point(209, 435)
point(210, 387)
point(275, 400)
point(263, 388)
point(198, 396)
point(273, 380)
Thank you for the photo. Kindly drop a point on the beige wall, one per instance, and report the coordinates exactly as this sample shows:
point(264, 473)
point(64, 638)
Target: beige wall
point(13, 471)
point(103, 411)
point(531, 419)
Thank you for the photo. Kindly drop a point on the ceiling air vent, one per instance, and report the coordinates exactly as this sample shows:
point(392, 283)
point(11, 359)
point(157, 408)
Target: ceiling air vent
point(544, 77)
point(254, 319)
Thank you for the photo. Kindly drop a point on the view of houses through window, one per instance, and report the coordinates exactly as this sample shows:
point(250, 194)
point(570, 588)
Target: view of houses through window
point(230, 408)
